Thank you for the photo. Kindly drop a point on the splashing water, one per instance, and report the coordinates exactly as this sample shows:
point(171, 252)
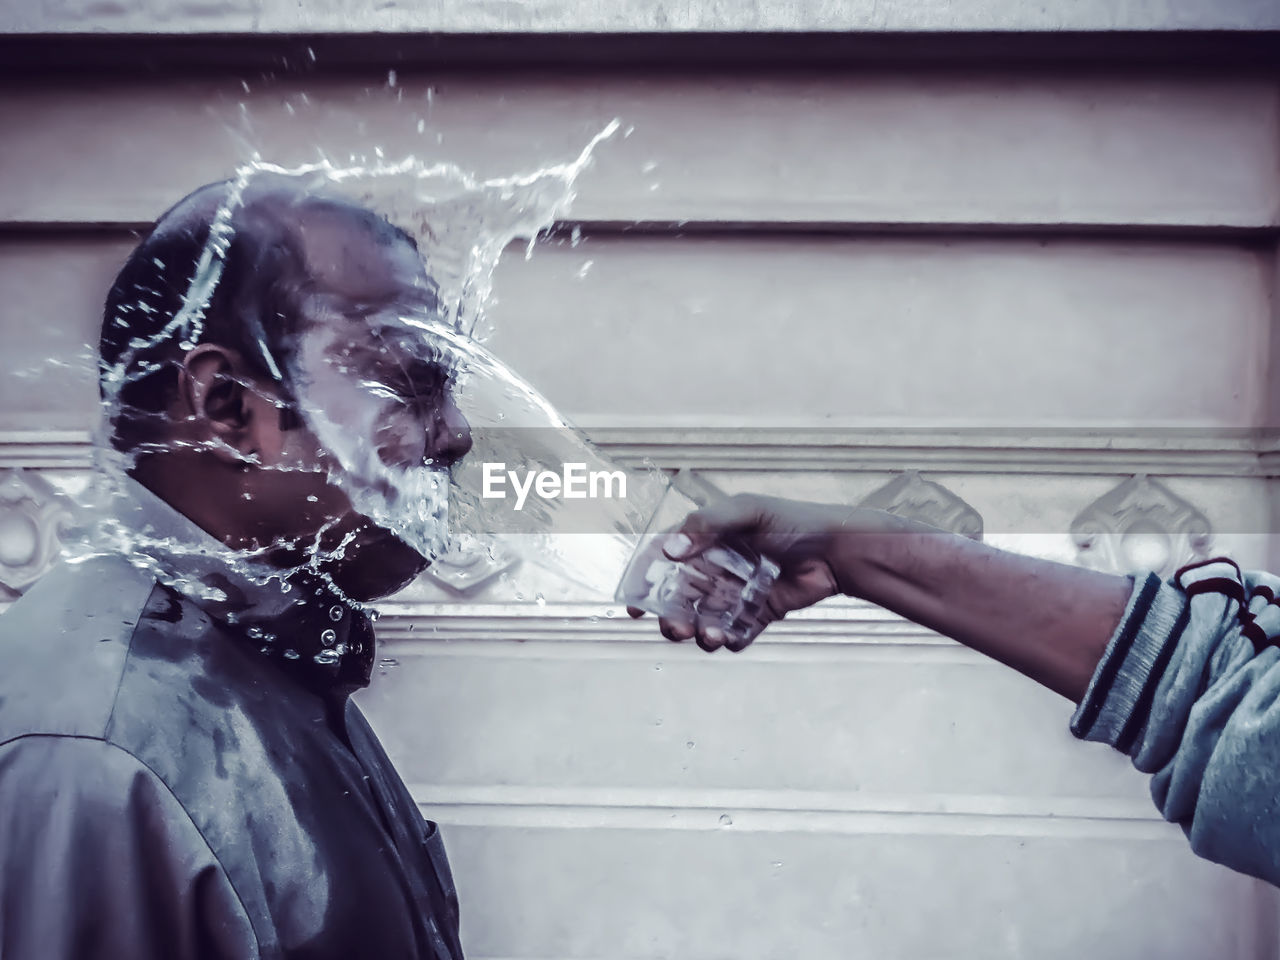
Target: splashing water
point(376, 377)
point(461, 225)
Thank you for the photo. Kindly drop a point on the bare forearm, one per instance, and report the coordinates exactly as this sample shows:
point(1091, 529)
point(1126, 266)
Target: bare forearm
point(1047, 620)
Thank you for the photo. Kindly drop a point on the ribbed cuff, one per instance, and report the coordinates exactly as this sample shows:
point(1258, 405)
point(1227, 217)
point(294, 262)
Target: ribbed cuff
point(1120, 693)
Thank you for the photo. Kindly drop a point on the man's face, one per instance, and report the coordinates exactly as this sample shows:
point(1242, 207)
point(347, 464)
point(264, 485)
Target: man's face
point(364, 471)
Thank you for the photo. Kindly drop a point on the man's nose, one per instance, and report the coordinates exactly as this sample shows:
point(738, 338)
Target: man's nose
point(448, 435)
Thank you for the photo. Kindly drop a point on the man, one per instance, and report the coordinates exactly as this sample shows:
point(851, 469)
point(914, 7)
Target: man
point(182, 773)
point(1182, 676)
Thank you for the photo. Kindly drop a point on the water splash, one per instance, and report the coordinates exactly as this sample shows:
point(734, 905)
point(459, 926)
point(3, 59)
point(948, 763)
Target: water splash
point(461, 224)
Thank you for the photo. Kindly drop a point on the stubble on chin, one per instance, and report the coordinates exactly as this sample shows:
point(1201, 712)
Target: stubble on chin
point(375, 564)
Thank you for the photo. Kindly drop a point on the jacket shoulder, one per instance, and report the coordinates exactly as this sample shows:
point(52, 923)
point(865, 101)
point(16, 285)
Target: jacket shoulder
point(93, 845)
point(63, 648)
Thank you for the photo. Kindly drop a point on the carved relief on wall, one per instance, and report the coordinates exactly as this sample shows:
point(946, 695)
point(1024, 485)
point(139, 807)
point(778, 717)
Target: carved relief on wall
point(33, 517)
point(910, 495)
point(470, 563)
point(1140, 525)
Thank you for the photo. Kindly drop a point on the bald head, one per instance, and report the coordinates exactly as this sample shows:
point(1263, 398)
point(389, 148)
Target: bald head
point(289, 242)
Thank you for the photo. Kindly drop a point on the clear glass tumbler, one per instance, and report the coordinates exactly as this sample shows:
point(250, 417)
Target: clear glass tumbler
point(724, 587)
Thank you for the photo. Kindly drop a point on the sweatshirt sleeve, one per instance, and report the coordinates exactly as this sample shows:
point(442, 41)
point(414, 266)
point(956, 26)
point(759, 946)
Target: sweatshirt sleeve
point(98, 860)
point(1189, 688)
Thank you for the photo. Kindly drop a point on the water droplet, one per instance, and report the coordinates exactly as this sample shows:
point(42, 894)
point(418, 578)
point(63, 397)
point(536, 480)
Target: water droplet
point(608, 613)
point(291, 654)
point(327, 657)
point(658, 722)
point(391, 78)
point(657, 667)
point(388, 662)
point(255, 633)
point(540, 600)
point(777, 864)
point(328, 638)
point(335, 612)
point(726, 820)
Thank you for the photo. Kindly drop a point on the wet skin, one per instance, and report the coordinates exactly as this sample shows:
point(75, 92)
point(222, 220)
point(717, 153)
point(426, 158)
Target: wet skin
point(257, 478)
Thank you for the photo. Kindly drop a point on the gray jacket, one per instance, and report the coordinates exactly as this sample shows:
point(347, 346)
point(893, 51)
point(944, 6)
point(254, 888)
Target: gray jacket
point(1189, 687)
point(172, 789)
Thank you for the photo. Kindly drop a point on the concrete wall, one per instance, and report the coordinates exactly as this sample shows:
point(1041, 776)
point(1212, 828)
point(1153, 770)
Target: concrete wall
point(1030, 284)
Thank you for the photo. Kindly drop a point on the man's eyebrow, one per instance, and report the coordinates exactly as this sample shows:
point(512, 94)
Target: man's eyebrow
point(407, 342)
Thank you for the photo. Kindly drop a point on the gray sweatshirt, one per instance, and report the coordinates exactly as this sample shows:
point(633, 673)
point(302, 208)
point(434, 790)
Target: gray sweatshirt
point(1189, 687)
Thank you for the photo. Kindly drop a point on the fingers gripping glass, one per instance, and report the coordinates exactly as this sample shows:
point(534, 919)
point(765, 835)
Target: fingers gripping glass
point(725, 587)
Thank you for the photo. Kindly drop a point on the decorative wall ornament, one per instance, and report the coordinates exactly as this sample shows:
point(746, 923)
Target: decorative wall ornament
point(1140, 525)
point(469, 563)
point(33, 517)
point(910, 495)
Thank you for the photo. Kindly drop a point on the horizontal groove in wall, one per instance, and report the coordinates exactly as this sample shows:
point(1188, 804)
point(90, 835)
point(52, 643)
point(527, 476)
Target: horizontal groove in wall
point(686, 50)
point(799, 226)
point(793, 801)
point(328, 52)
point(784, 811)
point(653, 647)
point(805, 226)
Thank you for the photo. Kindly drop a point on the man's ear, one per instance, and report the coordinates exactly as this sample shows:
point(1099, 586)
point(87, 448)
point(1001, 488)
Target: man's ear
point(215, 396)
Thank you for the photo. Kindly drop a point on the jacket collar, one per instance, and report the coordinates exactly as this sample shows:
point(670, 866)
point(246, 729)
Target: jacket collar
point(324, 640)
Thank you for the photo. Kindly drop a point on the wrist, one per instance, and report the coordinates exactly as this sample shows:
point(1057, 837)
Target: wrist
point(853, 541)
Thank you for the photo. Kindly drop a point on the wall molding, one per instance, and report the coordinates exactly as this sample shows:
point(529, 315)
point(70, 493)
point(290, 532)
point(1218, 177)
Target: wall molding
point(1118, 535)
point(836, 630)
point(789, 811)
point(1157, 451)
point(45, 449)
